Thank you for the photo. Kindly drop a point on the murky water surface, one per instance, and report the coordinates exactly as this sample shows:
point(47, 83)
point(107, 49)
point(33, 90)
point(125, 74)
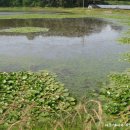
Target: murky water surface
point(80, 51)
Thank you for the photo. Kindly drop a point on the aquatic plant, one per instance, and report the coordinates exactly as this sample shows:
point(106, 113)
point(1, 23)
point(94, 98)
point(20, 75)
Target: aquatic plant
point(116, 96)
point(28, 96)
point(21, 30)
point(126, 57)
point(124, 40)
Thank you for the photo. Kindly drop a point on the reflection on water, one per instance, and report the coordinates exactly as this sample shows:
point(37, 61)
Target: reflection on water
point(81, 51)
point(61, 27)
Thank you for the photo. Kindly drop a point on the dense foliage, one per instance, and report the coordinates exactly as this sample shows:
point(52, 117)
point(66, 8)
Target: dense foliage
point(42, 3)
point(58, 3)
point(117, 96)
point(28, 96)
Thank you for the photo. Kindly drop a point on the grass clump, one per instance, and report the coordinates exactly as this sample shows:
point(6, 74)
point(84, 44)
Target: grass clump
point(80, 118)
point(23, 30)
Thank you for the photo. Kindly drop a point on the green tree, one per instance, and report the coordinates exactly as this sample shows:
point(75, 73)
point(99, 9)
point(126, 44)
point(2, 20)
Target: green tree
point(4, 2)
point(26, 2)
point(16, 3)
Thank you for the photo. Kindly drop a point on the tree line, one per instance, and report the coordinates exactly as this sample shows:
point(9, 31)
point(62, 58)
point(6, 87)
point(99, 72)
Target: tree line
point(45, 3)
point(51, 3)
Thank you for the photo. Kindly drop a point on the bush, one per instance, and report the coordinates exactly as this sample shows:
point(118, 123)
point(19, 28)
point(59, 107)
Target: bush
point(117, 95)
point(28, 96)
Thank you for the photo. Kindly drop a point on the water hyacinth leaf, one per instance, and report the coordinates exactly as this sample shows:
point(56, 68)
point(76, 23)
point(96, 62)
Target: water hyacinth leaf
point(116, 95)
point(32, 92)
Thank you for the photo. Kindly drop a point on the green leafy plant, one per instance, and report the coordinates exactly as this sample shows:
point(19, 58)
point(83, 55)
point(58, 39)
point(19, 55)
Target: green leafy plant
point(117, 95)
point(28, 96)
point(124, 40)
point(126, 57)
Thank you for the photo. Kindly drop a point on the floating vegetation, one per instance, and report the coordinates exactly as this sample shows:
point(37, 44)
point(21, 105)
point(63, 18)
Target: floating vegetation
point(126, 56)
point(116, 96)
point(22, 30)
point(124, 40)
point(32, 96)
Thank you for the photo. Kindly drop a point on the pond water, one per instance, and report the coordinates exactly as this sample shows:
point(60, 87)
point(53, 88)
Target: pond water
point(82, 52)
